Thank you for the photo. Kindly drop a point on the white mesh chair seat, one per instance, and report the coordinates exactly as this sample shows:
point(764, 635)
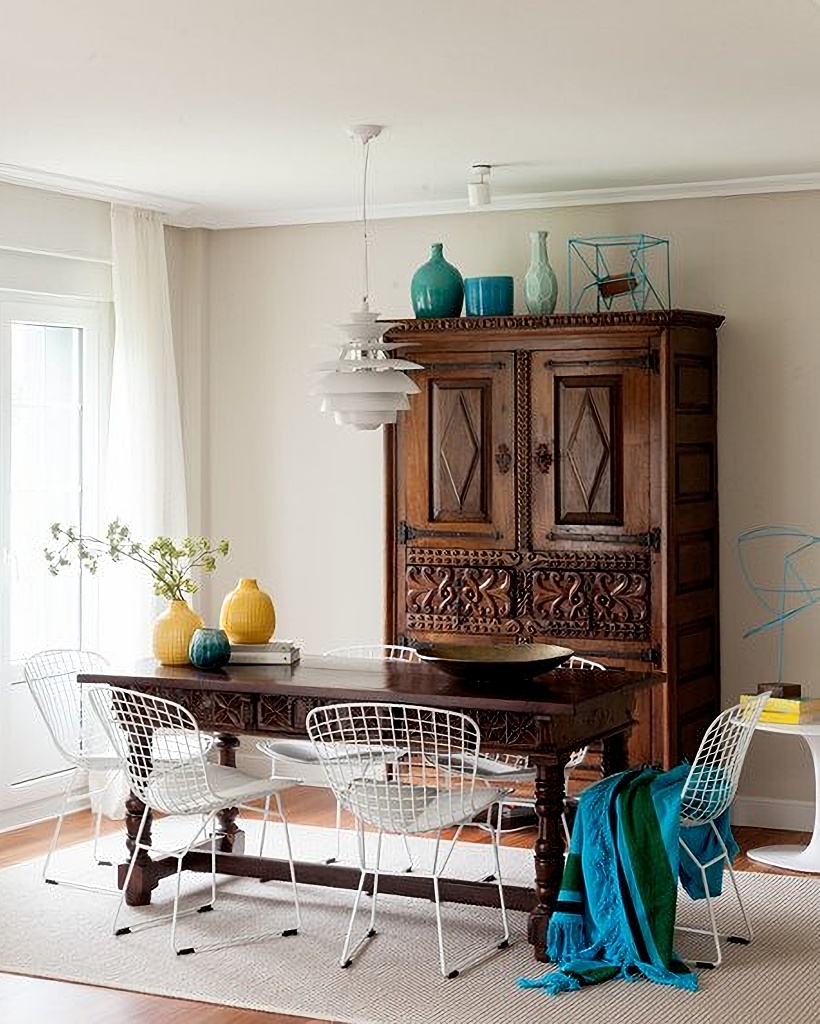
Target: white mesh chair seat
point(169, 789)
point(417, 796)
point(488, 768)
point(141, 726)
point(415, 809)
point(288, 753)
point(708, 792)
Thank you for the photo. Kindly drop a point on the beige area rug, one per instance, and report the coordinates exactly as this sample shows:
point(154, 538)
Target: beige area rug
point(54, 932)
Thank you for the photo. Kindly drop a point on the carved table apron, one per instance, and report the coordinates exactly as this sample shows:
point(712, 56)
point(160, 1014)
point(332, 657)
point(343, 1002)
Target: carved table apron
point(546, 719)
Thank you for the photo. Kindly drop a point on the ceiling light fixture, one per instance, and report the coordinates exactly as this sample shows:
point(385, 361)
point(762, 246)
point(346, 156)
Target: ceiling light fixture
point(478, 185)
point(366, 387)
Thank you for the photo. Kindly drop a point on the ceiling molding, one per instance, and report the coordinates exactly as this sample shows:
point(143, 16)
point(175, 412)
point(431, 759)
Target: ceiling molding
point(171, 207)
point(184, 213)
point(529, 201)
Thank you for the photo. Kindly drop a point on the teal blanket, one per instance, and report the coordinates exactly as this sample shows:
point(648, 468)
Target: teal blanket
point(615, 914)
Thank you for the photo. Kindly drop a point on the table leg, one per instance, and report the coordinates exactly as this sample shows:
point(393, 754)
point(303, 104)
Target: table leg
point(229, 837)
point(615, 755)
point(548, 850)
point(145, 875)
point(798, 858)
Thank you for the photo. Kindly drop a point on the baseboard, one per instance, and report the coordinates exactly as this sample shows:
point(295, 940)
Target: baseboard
point(765, 812)
point(12, 818)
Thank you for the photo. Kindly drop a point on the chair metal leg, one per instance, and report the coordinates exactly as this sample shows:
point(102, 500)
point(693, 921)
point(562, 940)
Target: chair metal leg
point(334, 859)
point(176, 913)
point(348, 954)
point(504, 943)
point(713, 930)
point(294, 888)
point(70, 794)
point(409, 867)
point(265, 814)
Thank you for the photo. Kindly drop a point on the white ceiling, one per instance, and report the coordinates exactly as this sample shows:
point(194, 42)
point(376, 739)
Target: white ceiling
point(230, 113)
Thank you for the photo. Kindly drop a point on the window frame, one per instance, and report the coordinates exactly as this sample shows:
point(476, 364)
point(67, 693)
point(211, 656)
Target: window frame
point(93, 319)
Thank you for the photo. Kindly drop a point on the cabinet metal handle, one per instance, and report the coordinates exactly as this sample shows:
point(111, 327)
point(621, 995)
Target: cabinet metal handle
point(503, 458)
point(543, 458)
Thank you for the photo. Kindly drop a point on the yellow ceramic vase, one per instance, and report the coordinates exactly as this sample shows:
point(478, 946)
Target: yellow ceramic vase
point(173, 631)
point(248, 615)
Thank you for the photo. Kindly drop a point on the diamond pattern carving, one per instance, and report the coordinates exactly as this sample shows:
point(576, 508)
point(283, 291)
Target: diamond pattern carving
point(588, 450)
point(459, 450)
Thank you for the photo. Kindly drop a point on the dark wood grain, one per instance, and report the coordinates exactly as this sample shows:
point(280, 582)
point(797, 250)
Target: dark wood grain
point(600, 533)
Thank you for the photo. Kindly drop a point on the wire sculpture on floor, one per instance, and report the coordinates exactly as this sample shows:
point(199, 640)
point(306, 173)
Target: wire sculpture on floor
point(783, 588)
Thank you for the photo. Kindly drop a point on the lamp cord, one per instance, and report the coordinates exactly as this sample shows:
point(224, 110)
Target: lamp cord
point(366, 295)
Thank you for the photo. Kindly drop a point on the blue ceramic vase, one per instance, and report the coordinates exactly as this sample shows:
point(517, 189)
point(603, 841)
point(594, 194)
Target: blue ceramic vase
point(437, 288)
point(210, 648)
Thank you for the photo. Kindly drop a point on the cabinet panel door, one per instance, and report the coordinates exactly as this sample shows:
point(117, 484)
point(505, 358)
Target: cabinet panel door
point(591, 447)
point(455, 454)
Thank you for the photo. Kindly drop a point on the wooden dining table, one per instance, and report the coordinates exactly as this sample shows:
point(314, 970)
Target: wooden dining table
point(545, 718)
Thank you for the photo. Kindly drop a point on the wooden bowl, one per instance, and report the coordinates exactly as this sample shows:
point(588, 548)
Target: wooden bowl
point(494, 662)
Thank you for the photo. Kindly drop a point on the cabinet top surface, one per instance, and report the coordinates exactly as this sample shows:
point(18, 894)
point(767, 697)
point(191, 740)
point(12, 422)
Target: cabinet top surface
point(564, 322)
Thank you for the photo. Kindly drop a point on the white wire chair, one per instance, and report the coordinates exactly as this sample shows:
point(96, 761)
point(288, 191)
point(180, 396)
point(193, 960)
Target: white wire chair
point(515, 770)
point(189, 786)
point(63, 704)
point(709, 790)
point(299, 755)
point(420, 798)
point(79, 736)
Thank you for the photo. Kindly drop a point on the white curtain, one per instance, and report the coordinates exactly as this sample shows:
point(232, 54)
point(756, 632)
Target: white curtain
point(145, 469)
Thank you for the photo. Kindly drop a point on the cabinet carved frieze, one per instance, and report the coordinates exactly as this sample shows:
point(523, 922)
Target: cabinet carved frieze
point(559, 594)
point(460, 556)
point(464, 591)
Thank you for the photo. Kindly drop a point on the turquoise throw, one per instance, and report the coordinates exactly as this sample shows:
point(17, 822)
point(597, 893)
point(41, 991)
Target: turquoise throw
point(615, 914)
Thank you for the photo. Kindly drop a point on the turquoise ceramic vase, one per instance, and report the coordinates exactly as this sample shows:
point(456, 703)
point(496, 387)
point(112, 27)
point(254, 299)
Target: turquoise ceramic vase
point(540, 283)
point(210, 648)
point(437, 288)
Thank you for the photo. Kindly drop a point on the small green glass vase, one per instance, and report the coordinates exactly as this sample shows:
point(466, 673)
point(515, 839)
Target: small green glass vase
point(210, 649)
point(540, 283)
point(437, 288)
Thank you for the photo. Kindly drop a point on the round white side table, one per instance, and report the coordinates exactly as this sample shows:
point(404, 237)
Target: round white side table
point(796, 858)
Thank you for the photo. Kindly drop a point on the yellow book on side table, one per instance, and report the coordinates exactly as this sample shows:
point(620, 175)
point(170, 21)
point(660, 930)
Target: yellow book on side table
point(788, 711)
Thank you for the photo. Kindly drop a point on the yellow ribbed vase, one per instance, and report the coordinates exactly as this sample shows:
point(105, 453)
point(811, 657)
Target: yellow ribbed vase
point(248, 615)
point(173, 631)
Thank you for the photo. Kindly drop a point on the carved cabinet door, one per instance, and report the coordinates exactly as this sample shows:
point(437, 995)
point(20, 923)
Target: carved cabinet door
point(455, 498)
point(592, 507)
point(456, 476)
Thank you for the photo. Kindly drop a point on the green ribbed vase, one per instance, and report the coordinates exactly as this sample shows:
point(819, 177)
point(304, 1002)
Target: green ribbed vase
point(540, 283)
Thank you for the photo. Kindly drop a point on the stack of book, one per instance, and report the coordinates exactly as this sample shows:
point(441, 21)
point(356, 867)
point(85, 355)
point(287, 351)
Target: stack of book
point(277, 652)
point(788, 710)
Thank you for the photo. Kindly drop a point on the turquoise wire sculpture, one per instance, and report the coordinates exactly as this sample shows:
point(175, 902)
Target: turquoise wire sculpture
point(617, 271)
point(789, 593)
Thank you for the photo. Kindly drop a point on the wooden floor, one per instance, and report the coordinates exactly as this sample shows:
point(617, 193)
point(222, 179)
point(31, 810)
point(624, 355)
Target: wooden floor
point(24, 999)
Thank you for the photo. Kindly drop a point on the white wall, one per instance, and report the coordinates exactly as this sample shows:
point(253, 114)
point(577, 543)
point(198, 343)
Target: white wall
point(301, 499)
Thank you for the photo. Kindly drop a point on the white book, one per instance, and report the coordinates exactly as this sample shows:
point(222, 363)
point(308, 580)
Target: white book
point(241, 655)
point(272, 645)
point(277, 652)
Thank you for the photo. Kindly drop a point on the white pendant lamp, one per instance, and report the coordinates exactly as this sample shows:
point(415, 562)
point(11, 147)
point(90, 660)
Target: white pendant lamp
point(366, 386)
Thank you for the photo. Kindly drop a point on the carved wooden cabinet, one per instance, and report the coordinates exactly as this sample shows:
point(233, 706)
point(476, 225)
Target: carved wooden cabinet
point(555, 481)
